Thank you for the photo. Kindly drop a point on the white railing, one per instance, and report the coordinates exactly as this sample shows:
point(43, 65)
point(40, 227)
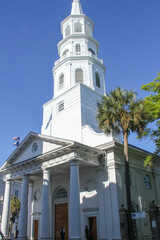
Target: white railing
point(74, 54)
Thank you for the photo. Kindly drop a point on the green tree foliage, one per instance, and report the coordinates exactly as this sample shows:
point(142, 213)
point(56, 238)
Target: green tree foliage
point(152, 105)
point(121, 111)
point(15, 206)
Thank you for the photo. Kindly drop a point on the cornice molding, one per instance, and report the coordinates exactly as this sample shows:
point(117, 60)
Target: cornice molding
point(79, 57)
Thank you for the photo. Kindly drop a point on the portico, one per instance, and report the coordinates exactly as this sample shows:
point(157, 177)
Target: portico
point(64, 161)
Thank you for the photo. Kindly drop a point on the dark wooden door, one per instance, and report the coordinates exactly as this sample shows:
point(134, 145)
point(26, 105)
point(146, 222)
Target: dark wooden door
point(93, 228)
point(35, 229)
point(61, 220)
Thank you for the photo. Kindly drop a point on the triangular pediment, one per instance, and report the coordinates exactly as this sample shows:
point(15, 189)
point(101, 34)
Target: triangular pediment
point(33, 146)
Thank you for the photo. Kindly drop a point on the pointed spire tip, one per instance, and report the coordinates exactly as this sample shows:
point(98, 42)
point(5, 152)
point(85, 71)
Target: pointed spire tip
point(76, 8)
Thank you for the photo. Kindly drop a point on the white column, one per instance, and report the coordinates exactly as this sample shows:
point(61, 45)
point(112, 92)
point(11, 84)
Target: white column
point(101, 206)
point(74, 207)
point(108, 204)
point(6, 208)
point(29, 210)
point(45, 219)
point(116, 234)
point(24, 210)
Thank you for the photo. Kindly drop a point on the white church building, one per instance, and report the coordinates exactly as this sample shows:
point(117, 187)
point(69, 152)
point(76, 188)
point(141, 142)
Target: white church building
point(72, 174)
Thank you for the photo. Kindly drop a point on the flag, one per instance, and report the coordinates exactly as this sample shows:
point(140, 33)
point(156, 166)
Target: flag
point(16, 138)
point(49, 120)
point(16, 144)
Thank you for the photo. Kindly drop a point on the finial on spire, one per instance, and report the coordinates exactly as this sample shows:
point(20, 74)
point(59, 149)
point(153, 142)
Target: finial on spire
point(76, 8)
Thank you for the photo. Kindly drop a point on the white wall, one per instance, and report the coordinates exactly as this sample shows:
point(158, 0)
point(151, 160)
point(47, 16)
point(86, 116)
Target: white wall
point(78, 119)
point(67, 123)
point(28, 152)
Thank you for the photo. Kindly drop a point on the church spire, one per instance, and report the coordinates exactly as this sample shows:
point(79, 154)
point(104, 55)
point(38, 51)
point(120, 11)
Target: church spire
point(76, 8)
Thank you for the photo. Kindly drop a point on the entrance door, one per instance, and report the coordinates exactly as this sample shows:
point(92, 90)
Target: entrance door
point(35, 229)
point(61, 220)
point(92, 227)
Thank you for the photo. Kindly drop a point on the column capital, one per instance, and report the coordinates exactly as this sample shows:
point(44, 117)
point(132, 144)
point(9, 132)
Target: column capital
point(45, 169)
point(7, 180)
point(25, 176)
point(74, 162)
point(30, 184)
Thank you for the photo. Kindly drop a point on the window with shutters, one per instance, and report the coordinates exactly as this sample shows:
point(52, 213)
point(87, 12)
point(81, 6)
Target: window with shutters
point(60, 106)
point(97, 80)
point(61, 81)
point(79, 75)
point(78, 48)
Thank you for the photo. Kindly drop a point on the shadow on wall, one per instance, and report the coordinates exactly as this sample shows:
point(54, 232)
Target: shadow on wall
point(99, 203)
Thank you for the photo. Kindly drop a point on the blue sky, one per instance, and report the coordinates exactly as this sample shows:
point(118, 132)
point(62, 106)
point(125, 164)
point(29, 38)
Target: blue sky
point(128, 32)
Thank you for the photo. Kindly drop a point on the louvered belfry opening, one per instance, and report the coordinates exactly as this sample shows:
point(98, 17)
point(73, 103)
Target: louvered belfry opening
point(79, 75)
point(61, 81)
point(97, 80)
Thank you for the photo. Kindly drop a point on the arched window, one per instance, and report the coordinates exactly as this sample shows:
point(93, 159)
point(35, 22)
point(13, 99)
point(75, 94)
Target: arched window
point(65, 52)
point(78, 48)
point(61, 193)
point(79, 75)
point(77, 27)
point(67, 31)
point(91, 50)
point(147, 182)
point(61, 81)
point(97, 80)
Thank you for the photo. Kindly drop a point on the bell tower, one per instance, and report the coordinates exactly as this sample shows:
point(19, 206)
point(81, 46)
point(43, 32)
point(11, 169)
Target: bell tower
point(78, 50)
point(79, 82)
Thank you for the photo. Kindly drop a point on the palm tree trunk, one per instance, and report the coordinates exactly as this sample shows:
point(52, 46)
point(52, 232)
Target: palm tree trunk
point(128, 192)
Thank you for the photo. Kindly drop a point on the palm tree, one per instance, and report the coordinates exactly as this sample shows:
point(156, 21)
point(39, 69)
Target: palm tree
point(120, 111)
point(15, 207)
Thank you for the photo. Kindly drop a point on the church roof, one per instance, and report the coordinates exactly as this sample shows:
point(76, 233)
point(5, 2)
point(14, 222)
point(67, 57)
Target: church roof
point(58, 146)
point(76, 8)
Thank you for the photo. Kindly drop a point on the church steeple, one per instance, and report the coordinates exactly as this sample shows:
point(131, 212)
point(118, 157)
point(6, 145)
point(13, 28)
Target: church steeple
point(79, 80)
point(78, 51)
point(76, 8)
